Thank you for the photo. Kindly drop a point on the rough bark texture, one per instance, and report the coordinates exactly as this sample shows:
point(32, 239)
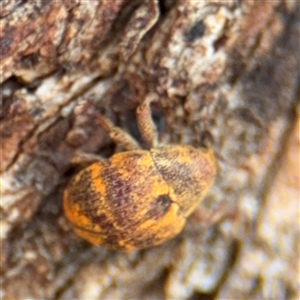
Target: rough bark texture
point(230, 67)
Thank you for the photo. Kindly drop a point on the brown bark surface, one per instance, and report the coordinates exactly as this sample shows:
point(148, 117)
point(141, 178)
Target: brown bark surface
point(230, 67)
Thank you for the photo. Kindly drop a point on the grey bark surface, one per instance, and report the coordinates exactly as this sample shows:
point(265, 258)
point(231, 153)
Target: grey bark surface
point(230, 67)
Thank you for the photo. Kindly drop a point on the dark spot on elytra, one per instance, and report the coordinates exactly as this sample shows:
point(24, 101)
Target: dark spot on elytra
point(112, 240)
point(145, 239)
point(118, 190)
point(160, 206)
point(118, 196)
point(196, 31)
point(124, 216)
point(102, 220)
point(82, 192)
point(122, 190)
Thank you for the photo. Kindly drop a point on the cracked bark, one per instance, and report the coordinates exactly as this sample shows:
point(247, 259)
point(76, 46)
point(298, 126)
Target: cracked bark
point(230, 67)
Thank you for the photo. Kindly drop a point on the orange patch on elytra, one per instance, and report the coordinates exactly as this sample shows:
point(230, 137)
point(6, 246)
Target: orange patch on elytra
point(97, 181)
point(74, 214)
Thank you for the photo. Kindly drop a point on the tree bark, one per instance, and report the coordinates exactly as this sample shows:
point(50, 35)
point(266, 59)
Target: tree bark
point(229, 67)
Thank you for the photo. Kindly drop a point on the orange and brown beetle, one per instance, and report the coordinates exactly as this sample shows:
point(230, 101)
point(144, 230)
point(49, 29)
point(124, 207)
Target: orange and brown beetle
point(138, 198)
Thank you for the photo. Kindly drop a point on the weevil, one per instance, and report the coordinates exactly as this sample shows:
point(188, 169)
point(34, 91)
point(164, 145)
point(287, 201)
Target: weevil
point(139, 198)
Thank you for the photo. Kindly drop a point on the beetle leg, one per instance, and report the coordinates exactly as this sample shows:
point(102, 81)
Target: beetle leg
point(145, 123)
point(84, 159)
point(118, 135)
point(204, 216)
